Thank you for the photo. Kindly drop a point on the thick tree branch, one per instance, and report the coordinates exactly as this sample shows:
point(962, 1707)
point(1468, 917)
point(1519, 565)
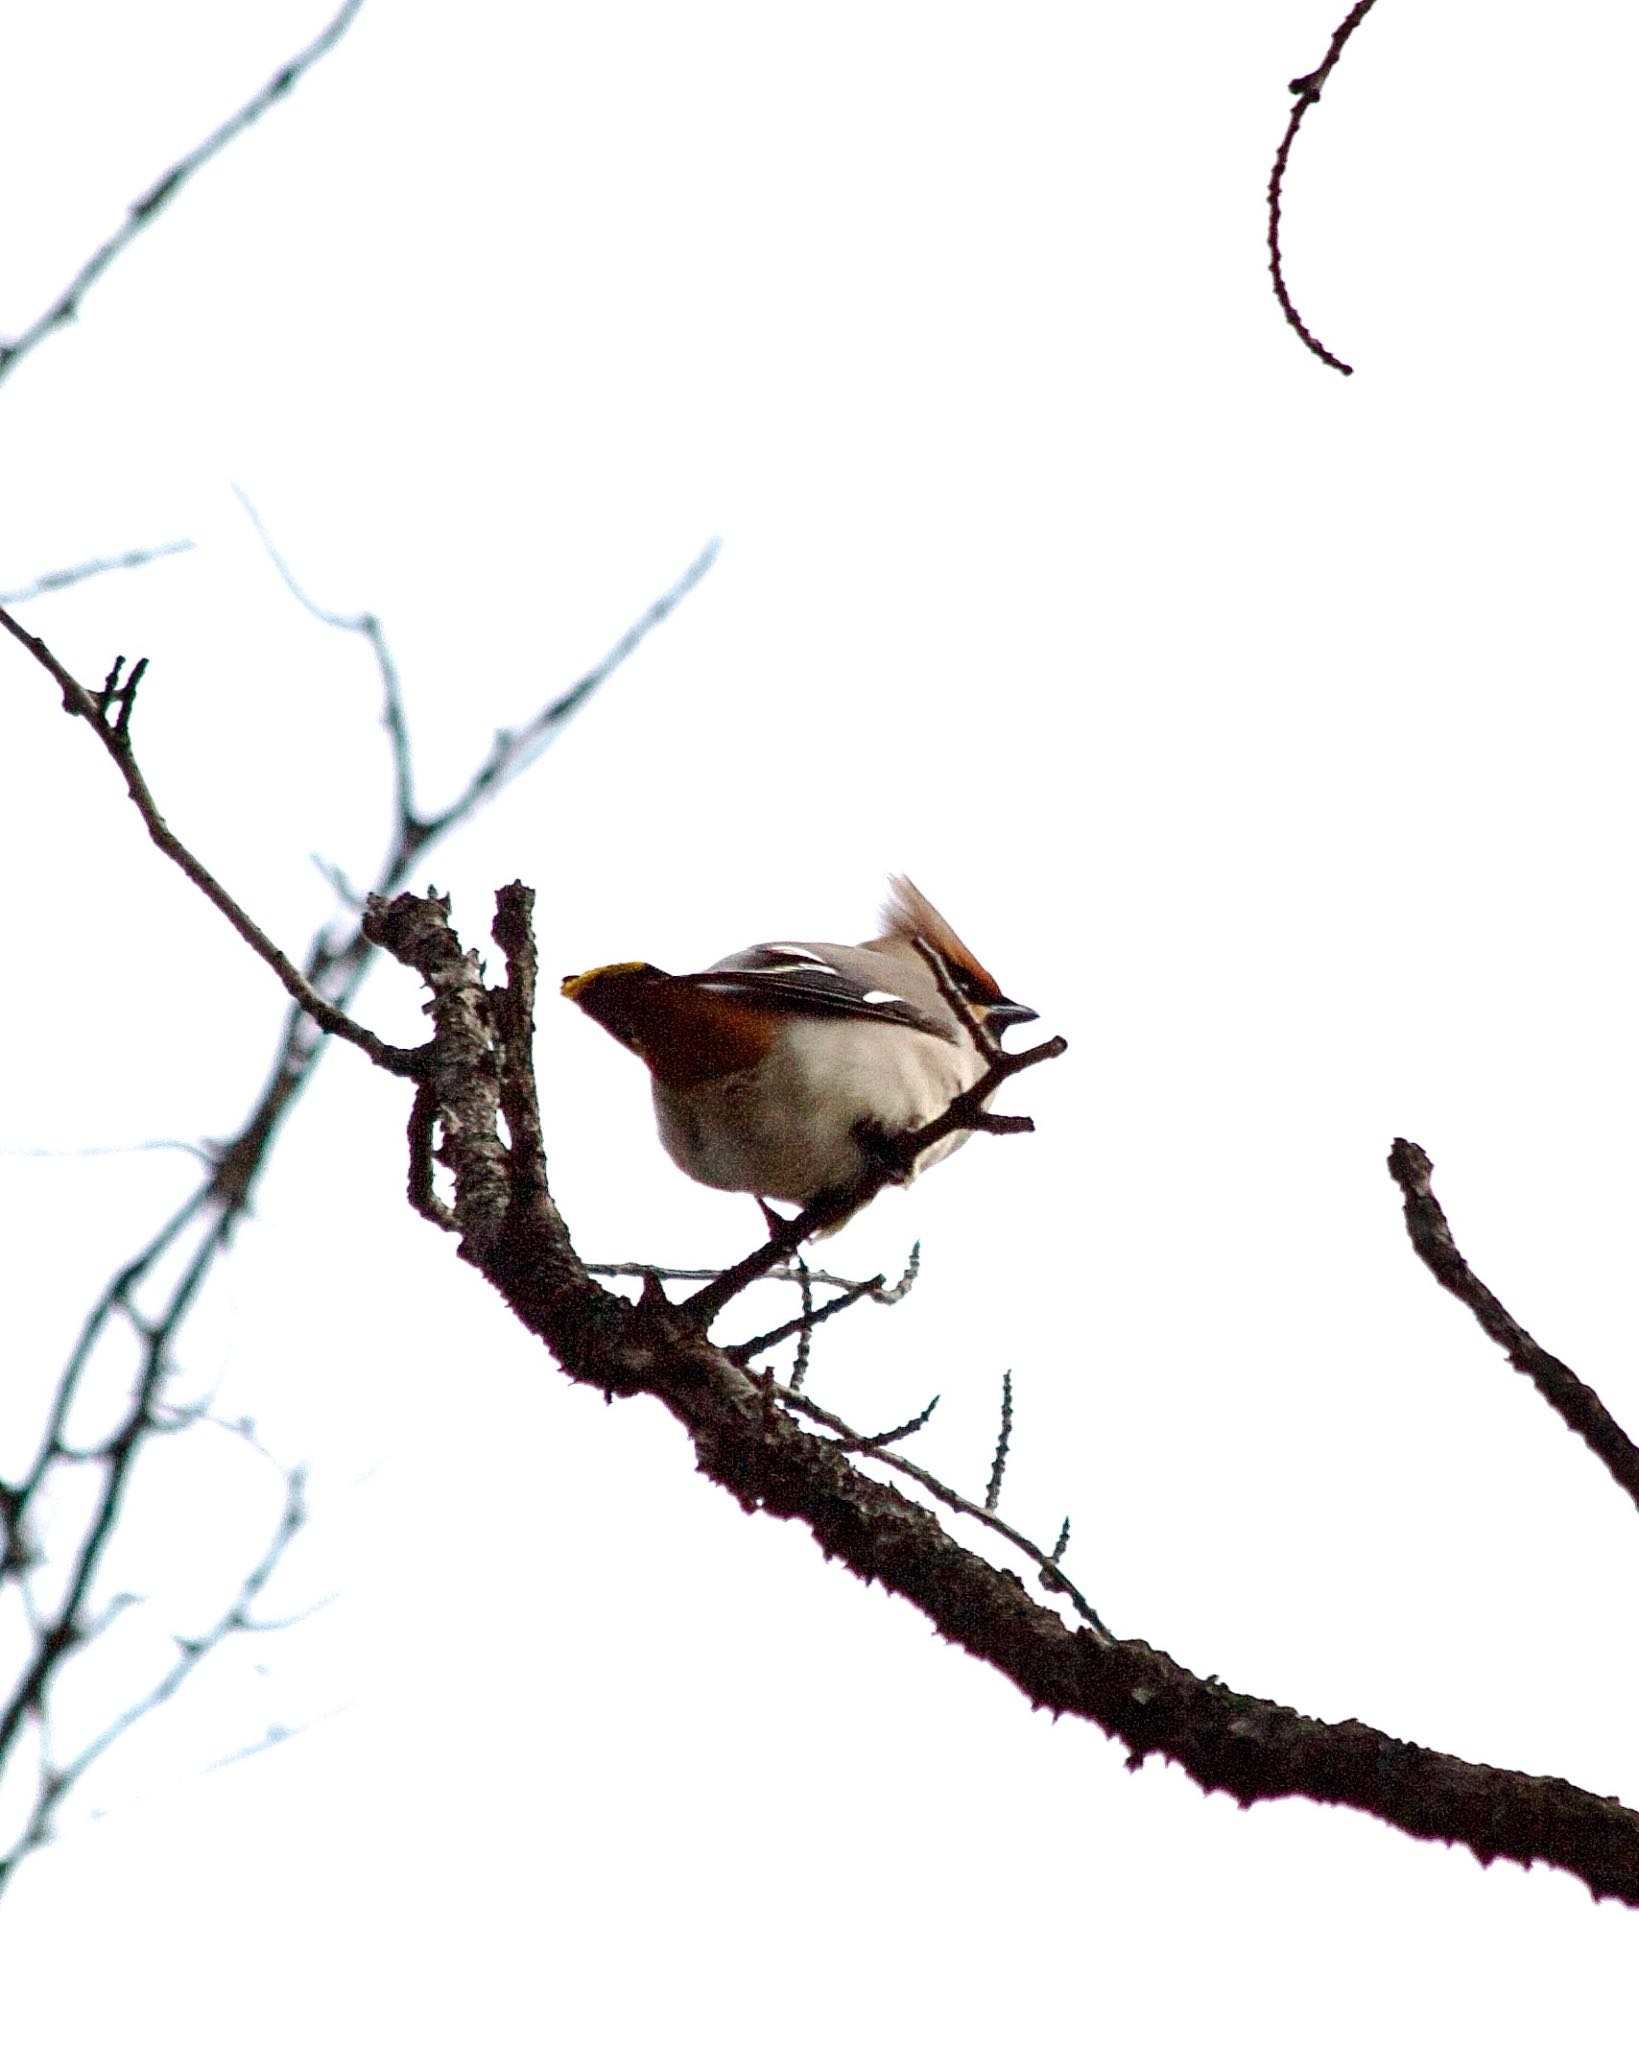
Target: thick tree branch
point(754, 1445)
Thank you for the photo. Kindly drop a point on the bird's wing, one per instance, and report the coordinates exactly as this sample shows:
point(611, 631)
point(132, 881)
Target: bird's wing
point(836, 981)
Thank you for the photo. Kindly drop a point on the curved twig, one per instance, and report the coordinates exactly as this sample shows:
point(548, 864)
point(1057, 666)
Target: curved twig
point(1307, 89)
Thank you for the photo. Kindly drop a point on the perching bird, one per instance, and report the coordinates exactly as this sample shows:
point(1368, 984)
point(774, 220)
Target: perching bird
point(776, 1069)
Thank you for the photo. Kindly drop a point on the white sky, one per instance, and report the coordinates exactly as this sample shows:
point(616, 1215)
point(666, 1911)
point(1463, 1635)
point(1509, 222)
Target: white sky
point(1272, 733)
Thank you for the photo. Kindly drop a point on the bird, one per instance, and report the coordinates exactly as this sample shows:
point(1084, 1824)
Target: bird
point(787, 1070)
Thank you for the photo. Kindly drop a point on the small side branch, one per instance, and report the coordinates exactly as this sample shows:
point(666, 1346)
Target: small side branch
point(1004, 1437)
point(108, 713)
point(811, 1318)
point(1576, 1403)
point(798, 1274)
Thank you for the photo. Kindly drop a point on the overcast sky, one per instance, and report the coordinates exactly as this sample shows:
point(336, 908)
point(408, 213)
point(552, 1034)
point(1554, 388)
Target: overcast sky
point(1272, 733)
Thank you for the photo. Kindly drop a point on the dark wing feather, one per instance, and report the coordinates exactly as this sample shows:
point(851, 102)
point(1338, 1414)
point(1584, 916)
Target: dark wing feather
point(793, 977)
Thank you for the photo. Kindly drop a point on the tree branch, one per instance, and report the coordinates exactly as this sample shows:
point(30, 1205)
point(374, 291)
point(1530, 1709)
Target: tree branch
point(1576, 1403)
point(753, 1444)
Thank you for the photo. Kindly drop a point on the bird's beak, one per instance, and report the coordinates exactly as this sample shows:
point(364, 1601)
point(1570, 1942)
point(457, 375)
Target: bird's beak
point(999, 1015)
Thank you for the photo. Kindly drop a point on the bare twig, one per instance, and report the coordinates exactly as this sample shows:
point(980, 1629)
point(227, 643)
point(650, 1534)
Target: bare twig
point(82, 572)
point(1004, 1437)
point(805, 1335)
point(513, 752)
point(56, 1780)
point(108, 712)
point(884, 1437)
point(193, 1151)
point(1576, 1403)
point(797, 1274)
point(800, 1326)
point(370, 629)
point(1307, 89)
point(947, 1496)
point(142, 212)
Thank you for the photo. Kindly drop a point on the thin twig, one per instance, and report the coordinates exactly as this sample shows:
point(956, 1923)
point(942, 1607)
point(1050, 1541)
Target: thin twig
point(805, 1336)
point(82, 572)
point(94, 707)
point(1307, 89)
point(56, 1781)
point(1576, 1403)
point(513, 752)
point(142, 212)
point(885, 1437)
point(801, 1325)
point(1004, 1437)
point(370, 629)
point(794, 1275)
